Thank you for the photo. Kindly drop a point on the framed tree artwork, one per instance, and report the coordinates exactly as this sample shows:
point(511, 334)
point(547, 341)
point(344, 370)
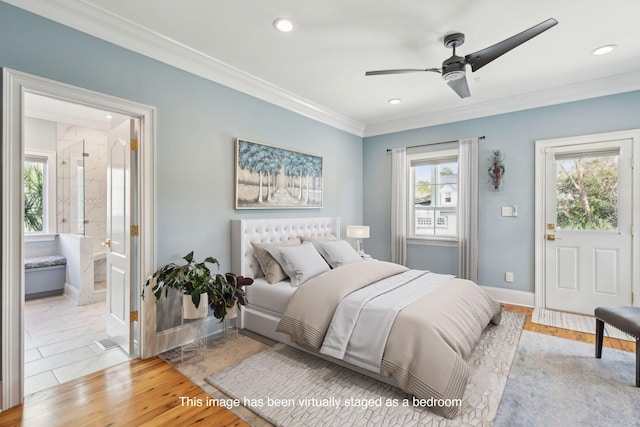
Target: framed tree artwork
point(269, 177)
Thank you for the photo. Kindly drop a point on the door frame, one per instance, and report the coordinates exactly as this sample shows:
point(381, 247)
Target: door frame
point(14, 85)
point(540, 202)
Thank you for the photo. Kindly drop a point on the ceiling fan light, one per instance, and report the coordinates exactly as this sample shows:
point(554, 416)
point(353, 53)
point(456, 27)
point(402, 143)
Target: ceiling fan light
point(454, 75)
point(283, 25)
point(603, 50)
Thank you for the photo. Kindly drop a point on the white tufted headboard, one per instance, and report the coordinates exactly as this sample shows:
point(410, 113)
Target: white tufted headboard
point(245, 231)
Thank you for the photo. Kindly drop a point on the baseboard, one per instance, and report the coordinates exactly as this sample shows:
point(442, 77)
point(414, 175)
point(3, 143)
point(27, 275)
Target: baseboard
point(510, 296)
point(72, 293)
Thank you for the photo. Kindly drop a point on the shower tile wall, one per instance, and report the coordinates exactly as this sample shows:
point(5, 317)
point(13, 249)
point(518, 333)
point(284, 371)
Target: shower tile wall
point(71, 139)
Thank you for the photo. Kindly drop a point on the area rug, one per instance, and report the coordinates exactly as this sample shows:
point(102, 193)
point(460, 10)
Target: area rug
point(575, 322)
point(559, 382)
point(288, 387)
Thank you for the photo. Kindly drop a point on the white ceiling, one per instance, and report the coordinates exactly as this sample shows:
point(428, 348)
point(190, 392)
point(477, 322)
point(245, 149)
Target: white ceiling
point(55, 110)
point(318, 69)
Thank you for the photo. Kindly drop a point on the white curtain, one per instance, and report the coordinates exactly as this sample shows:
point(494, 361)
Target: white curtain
point(468, 209)
point(399, 206)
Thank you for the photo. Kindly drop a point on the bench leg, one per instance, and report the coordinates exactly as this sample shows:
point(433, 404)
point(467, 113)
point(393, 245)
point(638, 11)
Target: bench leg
point(599, 335)
point(637, 362)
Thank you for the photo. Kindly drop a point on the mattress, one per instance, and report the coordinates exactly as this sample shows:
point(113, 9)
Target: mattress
point(272, 297)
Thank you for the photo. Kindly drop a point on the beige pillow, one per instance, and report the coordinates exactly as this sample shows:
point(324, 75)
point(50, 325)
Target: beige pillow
point(270, 267)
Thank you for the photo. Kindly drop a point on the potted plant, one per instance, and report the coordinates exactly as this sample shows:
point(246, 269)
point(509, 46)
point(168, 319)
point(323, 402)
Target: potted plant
point(228, 291)
point(195, 281)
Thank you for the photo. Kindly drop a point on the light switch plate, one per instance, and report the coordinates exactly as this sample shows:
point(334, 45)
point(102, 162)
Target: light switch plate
point(507, 211)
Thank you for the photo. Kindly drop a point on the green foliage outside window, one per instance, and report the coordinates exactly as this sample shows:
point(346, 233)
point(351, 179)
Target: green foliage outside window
point(33, 197)
point(587, 191)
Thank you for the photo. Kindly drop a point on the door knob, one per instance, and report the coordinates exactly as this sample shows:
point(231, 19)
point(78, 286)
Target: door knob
point(552, 237)
point(107, 243)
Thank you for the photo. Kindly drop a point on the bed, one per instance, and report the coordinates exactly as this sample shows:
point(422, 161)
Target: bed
point(428, 324)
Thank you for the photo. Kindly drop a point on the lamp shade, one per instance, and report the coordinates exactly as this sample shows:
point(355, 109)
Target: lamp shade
point(358, 231)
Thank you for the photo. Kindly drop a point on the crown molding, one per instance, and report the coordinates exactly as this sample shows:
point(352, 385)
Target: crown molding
point(100, 23)
point(88, 18)
point(585, 90)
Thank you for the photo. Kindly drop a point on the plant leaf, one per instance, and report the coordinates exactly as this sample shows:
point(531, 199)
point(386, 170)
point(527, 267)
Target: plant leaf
point(195, 297)
point(212, 260)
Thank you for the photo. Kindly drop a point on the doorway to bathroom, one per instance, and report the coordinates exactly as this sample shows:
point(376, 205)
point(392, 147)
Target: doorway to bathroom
point(70, 153)
point(129, 246)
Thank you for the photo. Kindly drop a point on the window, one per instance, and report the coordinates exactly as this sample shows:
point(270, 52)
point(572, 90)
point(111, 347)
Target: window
point(587, 190)
point(433, 195)
point(39, 192)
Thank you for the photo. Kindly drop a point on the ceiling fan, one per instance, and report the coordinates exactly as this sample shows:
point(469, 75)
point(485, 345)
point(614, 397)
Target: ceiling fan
point(453, 68)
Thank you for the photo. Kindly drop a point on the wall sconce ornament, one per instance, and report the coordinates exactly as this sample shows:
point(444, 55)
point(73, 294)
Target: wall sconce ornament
point(496, 170)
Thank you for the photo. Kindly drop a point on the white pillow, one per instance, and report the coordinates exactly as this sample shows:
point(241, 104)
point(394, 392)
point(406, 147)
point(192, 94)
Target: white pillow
point(269, 266)
point(300, 263)
point(337, 253)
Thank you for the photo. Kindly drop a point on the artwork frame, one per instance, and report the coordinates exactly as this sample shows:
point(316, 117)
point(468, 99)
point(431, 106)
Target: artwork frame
point(271, 177)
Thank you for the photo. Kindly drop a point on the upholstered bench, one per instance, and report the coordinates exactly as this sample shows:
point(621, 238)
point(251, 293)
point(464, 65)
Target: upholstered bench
point(44, 276)
point(627, 319)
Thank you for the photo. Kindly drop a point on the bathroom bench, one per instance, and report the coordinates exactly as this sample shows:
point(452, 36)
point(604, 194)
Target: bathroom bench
point(44, 276)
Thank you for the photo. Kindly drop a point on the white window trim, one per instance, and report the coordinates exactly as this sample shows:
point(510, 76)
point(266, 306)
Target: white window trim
point(432, 241)
point(412, 239)
point(49, 211)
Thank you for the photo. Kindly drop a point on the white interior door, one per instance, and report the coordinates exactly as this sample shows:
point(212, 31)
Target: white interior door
point(588, 221)
point(119, 256)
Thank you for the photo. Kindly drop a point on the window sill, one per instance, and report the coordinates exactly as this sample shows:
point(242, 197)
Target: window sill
point(452, 243)
point(28, 238)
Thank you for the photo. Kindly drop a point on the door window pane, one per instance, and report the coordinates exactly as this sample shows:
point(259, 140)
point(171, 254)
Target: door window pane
point(587, 192)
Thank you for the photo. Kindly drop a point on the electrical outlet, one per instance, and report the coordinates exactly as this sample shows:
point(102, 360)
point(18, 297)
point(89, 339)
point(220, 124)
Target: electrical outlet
point(508, 277)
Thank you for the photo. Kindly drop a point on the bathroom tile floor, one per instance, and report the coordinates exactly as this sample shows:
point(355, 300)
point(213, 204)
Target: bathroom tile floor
point(60, 342)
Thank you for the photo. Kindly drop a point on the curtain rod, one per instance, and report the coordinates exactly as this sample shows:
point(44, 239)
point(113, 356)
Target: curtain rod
point(480, 138)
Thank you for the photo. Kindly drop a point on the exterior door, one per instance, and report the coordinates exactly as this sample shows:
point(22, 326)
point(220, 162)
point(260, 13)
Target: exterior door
point(588, 226)
point(119, 248)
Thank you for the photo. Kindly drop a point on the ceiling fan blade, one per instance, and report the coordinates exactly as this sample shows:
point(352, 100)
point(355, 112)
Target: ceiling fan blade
point(401, 71)
point(482, 57)
point(460, 87)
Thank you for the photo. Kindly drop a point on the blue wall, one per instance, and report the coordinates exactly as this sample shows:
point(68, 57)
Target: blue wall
point(197, 123)
point(506, 243)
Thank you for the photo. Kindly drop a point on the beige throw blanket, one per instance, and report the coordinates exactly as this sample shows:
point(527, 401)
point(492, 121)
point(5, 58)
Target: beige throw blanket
point(428, 341)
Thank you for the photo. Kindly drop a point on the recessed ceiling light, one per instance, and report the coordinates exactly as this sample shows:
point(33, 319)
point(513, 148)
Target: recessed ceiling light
point(395, 101)
point(603, 50)
point(283, 24)
point(108, 116)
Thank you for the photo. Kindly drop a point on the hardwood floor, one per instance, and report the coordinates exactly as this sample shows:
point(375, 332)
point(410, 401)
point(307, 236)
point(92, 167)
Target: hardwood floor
point(147, 393)
point(566, 333)
point(137, 393)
